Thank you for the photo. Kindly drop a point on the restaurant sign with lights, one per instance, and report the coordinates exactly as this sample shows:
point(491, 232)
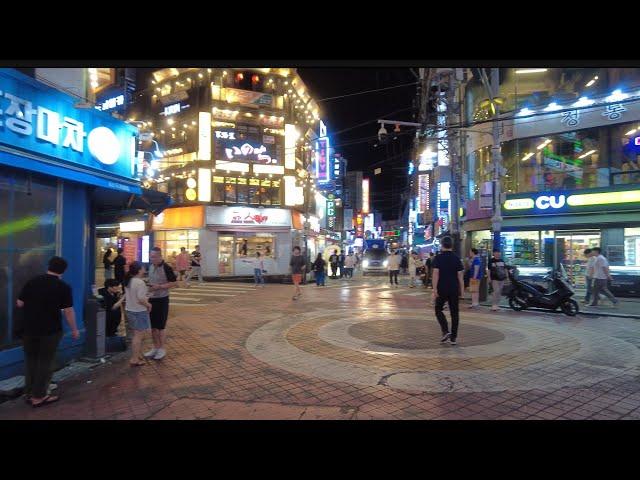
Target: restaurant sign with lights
point(618, 107)
point(234, 146)
point(611, 199)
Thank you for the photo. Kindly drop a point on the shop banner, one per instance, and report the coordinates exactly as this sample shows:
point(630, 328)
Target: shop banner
point(248, 98)
point(39, 119)
point(248, 216)
point(609, 199)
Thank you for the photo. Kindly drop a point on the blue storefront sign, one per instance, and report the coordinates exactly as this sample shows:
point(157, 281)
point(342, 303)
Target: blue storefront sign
point(45, 124)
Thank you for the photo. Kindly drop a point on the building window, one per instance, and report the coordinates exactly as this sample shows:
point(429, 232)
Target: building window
point(28, 221)
point(171, 241)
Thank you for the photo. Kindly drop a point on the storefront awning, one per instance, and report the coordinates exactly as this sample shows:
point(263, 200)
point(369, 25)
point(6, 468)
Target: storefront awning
point(112, 205)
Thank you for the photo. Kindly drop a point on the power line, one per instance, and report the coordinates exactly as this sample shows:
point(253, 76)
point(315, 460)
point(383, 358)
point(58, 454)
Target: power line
point(364, 92)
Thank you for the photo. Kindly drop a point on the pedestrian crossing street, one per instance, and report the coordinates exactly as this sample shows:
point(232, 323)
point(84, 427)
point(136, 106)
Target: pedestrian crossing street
point(207, 292)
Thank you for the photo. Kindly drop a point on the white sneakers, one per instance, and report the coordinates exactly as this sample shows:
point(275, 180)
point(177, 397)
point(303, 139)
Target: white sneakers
point(151, 353)
point(156, 354)
point(160, 354)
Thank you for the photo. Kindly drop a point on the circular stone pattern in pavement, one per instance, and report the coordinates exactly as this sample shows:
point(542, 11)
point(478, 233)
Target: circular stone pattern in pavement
point(400, 348)
point(414, 333)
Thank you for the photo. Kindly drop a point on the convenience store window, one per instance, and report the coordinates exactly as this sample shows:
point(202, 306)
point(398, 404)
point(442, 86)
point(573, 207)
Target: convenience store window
point(261, 242)
point(532, 248)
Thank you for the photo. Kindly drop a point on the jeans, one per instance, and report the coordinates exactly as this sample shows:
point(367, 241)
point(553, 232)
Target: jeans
point(39, 354)
point(600, 286)
point(257, 276)
point(320, 278)
point(589, 285)
point(453, 300)
point(497, 292)
point(393, 274)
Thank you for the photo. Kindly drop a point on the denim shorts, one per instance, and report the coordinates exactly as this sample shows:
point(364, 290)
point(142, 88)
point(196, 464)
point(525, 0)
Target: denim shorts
point(139, 320)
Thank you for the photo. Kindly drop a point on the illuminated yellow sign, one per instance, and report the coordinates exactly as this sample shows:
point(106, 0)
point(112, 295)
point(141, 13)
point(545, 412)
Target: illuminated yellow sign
point(519, 204)
point(606, 198)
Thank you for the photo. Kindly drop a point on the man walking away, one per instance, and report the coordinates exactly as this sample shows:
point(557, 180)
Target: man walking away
point(475, 276)
point(589, 271)
point(341, 263)
point(318, 268)
point(497, 273)
point(118, 266)
point(42, 298)
point(298, 266)
point(349, 265)
point(161, 279)
point(196, 257)
point(601, 275)
point(394, 267)
point(447, 288)
point(333, 261)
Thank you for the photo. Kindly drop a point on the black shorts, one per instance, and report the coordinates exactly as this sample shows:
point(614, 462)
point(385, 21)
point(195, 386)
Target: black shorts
point(159, 312)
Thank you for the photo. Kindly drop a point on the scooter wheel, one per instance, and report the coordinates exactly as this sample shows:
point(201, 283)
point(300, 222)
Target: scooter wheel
point(570, 308)
point(517, 304)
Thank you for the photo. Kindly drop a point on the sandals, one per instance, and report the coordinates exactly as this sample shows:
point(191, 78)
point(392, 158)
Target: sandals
point(47, 400)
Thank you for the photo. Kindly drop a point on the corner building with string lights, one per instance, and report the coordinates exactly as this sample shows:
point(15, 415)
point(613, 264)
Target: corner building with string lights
point(235, 149)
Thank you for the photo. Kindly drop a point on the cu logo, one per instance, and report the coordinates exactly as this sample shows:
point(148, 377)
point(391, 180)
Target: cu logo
point(550, 201)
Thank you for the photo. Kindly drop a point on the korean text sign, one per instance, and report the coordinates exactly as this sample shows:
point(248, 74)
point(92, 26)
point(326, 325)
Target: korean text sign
point(39, 119)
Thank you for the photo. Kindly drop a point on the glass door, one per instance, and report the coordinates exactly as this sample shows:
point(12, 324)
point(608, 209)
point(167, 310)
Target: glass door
point(570, 246)
point(225, 255)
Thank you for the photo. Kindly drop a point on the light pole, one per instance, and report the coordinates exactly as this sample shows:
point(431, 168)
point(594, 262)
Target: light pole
point(496, 156)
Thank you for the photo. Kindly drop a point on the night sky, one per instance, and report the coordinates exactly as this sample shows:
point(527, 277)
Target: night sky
point(357, 144)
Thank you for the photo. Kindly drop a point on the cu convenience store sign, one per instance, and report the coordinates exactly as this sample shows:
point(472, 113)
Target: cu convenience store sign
point(592, 200)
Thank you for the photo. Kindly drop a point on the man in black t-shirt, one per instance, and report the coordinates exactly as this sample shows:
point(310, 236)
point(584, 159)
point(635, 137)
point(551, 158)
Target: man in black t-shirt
point(42, 299)
point(447, 288)
point(118, 266)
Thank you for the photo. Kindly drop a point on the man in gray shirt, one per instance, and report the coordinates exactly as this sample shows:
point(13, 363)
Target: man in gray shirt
point(161, 279)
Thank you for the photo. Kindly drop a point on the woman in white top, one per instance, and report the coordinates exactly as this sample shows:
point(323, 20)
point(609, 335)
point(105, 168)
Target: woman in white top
point(258, 269)
point(137, 309)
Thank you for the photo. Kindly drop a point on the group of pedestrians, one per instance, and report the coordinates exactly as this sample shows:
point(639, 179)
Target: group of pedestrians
point(45, 298)
point(597, 277)
point(188, 265)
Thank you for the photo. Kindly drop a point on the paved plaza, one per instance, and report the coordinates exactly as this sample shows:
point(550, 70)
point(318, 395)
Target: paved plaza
point(360, 350)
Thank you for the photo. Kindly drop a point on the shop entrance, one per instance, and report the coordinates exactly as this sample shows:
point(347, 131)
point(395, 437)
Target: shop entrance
point(569, 254)
point(225, 254)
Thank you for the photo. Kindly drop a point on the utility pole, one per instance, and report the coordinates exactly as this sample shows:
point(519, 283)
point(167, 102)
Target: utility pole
point(496, 157)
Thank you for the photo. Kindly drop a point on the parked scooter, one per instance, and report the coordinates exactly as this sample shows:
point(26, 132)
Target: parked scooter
point(526, 294)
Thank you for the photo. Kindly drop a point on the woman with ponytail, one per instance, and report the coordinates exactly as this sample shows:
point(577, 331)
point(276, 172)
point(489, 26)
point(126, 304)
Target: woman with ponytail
point(137, 308)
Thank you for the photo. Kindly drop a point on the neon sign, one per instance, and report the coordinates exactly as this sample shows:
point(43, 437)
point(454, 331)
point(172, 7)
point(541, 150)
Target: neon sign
point(555, 201)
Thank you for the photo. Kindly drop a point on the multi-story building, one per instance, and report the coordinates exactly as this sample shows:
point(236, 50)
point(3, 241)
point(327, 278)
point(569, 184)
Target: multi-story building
point(570, 140)
point(239, 147)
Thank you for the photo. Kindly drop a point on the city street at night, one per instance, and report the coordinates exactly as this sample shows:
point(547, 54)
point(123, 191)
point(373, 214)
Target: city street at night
point(318, 240)
point(359, 349)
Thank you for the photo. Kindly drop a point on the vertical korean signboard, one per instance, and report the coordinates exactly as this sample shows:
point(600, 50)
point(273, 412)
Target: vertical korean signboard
point(331, 212)
point(365, 195)
point(423, 193)
point(322, 161)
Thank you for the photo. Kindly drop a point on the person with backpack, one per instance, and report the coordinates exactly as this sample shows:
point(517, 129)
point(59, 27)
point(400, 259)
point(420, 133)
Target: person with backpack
point(161, 279)
point(497, 270)
point(318, 267)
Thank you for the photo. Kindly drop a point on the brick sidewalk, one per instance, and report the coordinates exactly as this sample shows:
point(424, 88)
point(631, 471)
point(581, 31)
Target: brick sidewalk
point(213, 370)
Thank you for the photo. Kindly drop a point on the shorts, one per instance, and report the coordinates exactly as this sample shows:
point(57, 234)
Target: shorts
point(297, 278)
point(138, 320)
point(159, 312)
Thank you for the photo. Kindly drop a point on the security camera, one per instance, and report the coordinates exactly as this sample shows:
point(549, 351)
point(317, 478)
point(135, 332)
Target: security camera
point(382, 134)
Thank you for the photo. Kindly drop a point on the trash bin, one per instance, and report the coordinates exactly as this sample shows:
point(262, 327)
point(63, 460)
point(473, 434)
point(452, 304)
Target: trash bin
point(95, 325)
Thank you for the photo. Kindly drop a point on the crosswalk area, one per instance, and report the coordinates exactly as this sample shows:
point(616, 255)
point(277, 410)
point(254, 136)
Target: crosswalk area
point(207, 292)
point(377, 285)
